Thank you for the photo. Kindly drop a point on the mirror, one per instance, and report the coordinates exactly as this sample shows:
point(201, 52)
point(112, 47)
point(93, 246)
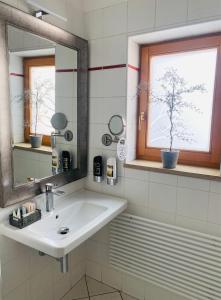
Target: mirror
point(116, 125)
point(43, 94)
point(44, 70)
point(59, 121)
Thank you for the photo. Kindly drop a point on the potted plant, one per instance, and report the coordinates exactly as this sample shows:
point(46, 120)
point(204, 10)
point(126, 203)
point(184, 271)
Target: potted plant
point(39, 95)
point(35, 139)
point(173, 89)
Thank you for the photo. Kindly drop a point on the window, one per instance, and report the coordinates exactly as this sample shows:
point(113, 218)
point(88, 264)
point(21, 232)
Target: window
point(39, 86)
point(190, 69)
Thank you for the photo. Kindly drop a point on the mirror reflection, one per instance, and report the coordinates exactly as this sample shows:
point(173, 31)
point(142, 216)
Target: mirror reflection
point(116, 125)
point(43, 81)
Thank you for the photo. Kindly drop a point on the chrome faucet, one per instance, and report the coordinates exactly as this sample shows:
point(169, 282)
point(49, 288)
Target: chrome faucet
point(49, 197)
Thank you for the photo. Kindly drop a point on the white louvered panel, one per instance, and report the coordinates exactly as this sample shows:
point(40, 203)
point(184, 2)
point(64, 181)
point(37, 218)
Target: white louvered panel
point(178, 259)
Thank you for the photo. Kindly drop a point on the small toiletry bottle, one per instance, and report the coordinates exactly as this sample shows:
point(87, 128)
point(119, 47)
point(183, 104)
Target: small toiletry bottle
point(55, 162)
point(111, 171)
point(98, 168)
point(66, 161)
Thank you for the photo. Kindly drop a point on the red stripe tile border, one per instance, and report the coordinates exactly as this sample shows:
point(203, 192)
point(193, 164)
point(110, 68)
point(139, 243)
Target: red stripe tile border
point(99, 68)
point(133, 67)
point(66, 70)
point(16, 74)
point(113, 67)
point(107, 67)
point(95, 69)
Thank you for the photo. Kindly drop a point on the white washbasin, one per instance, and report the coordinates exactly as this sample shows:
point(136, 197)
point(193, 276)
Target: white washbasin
point(83, 212)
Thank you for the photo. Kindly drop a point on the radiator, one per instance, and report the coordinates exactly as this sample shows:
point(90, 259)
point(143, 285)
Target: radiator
point(178, 259)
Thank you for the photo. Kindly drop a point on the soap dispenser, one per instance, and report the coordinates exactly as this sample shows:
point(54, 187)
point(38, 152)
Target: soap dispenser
point(98, 168)
point(111, 171)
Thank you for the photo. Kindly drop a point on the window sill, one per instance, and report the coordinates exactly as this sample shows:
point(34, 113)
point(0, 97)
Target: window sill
point(182, 170)
point(27, 147)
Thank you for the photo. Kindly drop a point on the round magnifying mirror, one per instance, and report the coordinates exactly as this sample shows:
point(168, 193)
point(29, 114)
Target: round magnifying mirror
point(116, 125)
point(59, 121)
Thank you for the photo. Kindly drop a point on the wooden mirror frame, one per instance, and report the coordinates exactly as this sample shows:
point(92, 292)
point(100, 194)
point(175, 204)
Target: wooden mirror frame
point(12, 16)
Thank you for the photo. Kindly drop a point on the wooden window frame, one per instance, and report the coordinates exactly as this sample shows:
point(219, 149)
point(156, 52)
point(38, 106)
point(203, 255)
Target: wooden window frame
point(209, 159)
point(29, 62)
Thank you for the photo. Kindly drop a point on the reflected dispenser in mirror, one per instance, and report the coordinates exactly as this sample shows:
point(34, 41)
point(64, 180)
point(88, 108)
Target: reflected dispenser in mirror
point(111, 171)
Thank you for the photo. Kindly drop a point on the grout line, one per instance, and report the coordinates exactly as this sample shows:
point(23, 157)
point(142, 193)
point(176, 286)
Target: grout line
point(72, 288)
point(80, 298)
point(103, 282)
point(121, 296)
point(104, 294)
point(87, 287)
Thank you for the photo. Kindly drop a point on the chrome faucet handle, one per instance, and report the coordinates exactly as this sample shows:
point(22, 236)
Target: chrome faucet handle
point(49, 196)
point(49, 187)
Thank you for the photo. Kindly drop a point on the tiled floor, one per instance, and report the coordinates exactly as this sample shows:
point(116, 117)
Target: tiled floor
point(91, 289)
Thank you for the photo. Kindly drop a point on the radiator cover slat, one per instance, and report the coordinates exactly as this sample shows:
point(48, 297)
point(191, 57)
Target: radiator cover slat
point(178, 259)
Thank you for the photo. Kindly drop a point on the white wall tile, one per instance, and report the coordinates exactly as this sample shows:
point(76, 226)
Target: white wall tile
point(137, 174)
point(162, 197)
point(114, 82)
point(214, 213)
point(115, 19)
point(101, 109)
point(65, 58)
point(161, 216)
point(163, 178)
point(137, 210)
point(91, 185)
point(96, 84)
point(141, 14)
point(170, 12)
point(65, 85)
point(192, 224)
point(97, 4)
point(136, 191)
point(192, 203)
point(117, 190)
point(94, 24)
point(200, 9)
point(96, 53)
point(194, 183)
point(115, 50)
point(215, 186)
point(65, 105)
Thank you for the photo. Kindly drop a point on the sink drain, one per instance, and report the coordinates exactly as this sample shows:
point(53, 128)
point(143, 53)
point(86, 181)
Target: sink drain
point(63, 230)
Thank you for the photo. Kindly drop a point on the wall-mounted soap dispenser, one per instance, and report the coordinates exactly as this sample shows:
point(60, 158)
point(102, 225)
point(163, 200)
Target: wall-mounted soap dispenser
point(111, 171)
point(98, 169)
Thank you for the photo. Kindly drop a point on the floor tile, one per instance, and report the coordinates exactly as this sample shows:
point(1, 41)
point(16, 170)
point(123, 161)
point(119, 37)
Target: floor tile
point(79, 291)
point(127, 297)
point(97, 288)
point(109, 296)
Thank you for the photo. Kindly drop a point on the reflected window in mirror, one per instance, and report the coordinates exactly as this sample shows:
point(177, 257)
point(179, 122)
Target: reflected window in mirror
point(39, 93)
point(43, 81)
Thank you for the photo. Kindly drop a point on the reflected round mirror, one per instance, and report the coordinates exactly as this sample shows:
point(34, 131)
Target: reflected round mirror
point(116, 125)
point(59, 121)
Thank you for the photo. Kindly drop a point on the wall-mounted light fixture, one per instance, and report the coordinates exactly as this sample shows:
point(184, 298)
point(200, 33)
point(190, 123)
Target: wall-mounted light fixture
point(42, 6)
point(39, 14)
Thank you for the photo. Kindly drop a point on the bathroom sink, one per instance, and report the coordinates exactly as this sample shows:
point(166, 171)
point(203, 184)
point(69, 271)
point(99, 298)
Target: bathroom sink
point(76, 217)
